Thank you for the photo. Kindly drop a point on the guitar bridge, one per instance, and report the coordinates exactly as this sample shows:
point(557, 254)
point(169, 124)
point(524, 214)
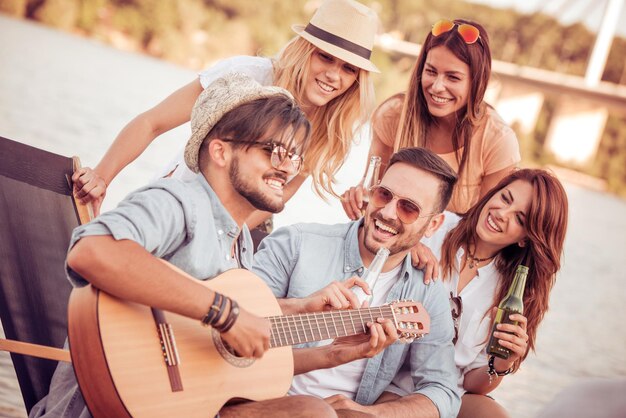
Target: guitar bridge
point(168, 344)
point(168, 347)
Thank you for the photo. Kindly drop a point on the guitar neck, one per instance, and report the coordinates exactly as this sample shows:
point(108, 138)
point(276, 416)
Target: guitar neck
point(309, 327)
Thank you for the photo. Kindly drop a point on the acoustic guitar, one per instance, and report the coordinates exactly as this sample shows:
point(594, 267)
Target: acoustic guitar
point(133, 360)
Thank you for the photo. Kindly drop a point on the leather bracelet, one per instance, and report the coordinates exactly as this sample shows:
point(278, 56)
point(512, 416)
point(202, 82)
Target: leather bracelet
point(232, 317)
point(207, 320)
point(216, 311)
point(220, 314)
point(492, 369)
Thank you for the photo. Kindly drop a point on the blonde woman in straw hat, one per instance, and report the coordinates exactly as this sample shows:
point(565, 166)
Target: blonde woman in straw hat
point(326, 67)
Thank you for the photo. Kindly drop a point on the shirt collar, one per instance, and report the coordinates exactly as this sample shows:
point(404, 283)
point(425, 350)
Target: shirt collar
point(352, 256)
point(224, 222)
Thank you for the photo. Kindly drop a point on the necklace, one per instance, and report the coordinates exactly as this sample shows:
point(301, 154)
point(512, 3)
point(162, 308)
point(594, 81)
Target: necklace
point(474, 261)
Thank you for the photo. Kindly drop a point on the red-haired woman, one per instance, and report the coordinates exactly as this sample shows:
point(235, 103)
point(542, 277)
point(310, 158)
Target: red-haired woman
point(526, 213)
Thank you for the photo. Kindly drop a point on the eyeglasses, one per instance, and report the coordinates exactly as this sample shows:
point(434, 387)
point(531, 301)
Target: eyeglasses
point(407, 210)
point(278, 153)
point(456, 307)
point(469, 33)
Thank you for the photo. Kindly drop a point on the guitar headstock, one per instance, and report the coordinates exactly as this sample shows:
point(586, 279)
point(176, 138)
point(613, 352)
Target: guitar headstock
point(410, 319)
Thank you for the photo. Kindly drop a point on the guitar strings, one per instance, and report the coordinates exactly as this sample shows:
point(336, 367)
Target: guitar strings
point(300, 328)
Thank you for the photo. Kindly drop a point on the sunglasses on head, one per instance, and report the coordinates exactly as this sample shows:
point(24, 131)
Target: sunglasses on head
point(456, 307)
point(469, 33)
point(407, 210)
point(278, 153)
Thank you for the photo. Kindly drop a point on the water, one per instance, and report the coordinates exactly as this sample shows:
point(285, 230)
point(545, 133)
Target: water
point(71, 96)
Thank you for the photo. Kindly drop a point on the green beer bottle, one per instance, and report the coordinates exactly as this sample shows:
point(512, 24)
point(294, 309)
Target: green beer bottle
point(512, 303)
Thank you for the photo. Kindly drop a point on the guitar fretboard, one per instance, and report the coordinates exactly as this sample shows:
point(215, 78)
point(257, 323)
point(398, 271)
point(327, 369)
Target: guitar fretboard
point(309, 327)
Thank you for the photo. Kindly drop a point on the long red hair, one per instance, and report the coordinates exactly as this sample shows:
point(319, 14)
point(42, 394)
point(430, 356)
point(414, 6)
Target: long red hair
point(546, 224)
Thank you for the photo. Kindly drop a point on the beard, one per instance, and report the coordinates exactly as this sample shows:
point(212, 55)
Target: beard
point(404, 241)
point(253, 195)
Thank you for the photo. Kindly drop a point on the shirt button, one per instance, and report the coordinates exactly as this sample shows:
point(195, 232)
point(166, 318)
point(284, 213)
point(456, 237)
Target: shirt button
point(360, 270)
point(220, 232)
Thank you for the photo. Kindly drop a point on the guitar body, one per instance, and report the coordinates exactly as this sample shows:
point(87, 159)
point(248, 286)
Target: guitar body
point(119, 360)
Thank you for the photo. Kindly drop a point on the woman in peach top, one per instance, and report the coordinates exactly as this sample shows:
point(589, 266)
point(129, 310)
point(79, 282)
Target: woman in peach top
point(443, 110)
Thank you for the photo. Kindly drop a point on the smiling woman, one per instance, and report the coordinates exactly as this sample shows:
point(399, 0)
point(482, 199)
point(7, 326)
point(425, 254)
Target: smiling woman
point(443, 110)
point(325, 67)
point(525, 214)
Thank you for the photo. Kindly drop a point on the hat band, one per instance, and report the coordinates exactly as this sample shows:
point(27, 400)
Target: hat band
point(338, 41)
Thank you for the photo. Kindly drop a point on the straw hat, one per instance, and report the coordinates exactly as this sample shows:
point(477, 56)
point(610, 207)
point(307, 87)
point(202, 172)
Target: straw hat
point(220, 97)
point(345, 29)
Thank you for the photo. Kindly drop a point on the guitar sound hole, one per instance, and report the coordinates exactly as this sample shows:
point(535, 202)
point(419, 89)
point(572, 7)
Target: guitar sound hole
point(229, 349)
point(227, 352)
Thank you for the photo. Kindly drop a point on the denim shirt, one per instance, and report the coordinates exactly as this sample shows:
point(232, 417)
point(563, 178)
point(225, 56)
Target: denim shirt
point(181, 222)
point(298, 260)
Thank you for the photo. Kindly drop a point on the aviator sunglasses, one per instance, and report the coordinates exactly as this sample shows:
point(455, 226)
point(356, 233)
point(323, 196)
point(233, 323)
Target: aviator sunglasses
point(456, 308)
point(278, 153)
point(407, 210)
point(469, 33)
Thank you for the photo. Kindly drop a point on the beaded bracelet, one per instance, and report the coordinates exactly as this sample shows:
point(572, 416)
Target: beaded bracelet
point(492, 369)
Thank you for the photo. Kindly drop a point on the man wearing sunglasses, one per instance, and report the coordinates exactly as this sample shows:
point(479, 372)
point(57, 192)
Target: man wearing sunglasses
point(299, 260)
point(245, 145)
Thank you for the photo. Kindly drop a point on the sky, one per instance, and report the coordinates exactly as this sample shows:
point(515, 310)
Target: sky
point(590, 12)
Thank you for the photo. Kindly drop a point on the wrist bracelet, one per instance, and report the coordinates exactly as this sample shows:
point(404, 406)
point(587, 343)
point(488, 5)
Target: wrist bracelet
point(492, 369)
point(208, 318)
point(216, 310)
point(221, 312)
point(230, 320)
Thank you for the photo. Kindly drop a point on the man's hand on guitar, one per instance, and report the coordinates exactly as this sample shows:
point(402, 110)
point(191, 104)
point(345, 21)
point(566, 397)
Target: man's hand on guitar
point(337, 295)
point(381, 335)
point(250, 336)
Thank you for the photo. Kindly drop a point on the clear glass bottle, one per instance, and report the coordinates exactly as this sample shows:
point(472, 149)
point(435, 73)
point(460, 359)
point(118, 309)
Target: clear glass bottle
point(512, 303)
point(371, 178)
point(370, 275)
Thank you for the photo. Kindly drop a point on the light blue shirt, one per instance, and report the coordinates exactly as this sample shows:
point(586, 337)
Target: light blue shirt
point(181, 222)
point(301, 259)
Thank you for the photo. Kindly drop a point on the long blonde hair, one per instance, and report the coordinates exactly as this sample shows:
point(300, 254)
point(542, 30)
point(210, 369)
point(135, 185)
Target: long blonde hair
point(334, 124)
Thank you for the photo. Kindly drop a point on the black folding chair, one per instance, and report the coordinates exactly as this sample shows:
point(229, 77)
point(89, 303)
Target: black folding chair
point(37, 216)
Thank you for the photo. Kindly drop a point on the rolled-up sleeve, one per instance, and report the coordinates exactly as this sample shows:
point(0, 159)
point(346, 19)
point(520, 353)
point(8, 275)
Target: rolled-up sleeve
point(140, 218)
